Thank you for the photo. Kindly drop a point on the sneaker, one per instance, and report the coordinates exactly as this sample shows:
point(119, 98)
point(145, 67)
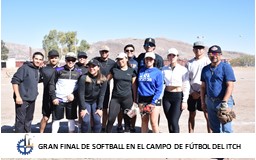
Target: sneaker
point(133, 130)
point(103, 130)
point(119, 129)
point(127, 131)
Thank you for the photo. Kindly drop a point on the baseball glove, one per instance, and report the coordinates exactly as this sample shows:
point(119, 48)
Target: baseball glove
point(226, 115)
point(147, 109)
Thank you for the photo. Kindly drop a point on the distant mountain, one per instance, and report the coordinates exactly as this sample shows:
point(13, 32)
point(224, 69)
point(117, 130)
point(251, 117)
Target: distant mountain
point(24, 52)
point(21, 52)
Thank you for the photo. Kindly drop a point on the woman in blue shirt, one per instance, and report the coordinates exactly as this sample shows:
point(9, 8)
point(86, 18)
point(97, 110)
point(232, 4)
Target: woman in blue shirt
point(150, 86)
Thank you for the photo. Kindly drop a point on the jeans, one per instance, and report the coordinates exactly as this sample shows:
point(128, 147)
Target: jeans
point(212, 109)
point(86, 121)
point(24, 116)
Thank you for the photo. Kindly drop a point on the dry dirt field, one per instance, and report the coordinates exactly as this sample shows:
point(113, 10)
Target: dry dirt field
point(244, 95)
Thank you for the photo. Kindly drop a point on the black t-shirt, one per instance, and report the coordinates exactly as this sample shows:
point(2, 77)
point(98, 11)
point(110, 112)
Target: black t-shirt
point(106, 66)
point(122, 81)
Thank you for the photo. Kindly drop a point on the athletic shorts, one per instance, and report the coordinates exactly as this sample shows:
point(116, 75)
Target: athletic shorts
point(70, 109)
point(47, 107)
point(194, 104)
point(148, 100)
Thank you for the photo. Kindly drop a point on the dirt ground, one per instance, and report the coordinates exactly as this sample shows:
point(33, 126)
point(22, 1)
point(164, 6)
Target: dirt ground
point(244, 95)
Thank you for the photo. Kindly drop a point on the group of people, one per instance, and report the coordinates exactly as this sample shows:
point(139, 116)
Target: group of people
point(82, 90)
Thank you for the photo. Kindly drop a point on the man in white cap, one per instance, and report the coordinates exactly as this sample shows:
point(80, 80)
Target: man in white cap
point(63, 92)
point(195, 66)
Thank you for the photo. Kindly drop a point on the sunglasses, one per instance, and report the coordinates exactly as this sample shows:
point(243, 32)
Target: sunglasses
point(129, 50)
point(82, 57)
point(198, 47)
point(70, 59)
point(104, 51)
point(214, 54)
point(149, 45)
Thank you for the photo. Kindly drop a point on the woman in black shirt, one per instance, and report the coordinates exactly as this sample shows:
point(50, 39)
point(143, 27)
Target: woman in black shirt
point(124, 91)
point(91, 91)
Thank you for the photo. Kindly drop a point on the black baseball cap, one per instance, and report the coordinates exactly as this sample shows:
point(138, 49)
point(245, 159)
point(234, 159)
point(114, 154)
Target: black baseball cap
point(80, 54)
point(149, 41)
point(214, 49)
point(94, 62)
point(52, 53)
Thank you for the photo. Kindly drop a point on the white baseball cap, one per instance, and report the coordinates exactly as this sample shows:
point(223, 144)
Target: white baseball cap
point(173, 51)
point(121, 55)
point(150, 54)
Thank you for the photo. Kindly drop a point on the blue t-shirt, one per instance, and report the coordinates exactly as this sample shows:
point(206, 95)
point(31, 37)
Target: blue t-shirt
point(150, 83)
point(216, 78)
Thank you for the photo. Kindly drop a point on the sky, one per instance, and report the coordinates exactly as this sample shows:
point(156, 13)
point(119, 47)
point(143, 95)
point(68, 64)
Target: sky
point(227, 23)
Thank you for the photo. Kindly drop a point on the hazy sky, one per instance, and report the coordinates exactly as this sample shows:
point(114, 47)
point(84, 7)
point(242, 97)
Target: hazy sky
point(228, 23)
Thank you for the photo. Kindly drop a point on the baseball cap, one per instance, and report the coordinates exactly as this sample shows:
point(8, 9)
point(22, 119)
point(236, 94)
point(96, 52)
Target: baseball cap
point(173, 51)
point(52, 53)
point(121, 55)
point(149, 41)
point(104, 48)
point(70, 55)
point(214, 49)
point(94, 62)
point(82, 54)
point(198, 44)
point(150, 54)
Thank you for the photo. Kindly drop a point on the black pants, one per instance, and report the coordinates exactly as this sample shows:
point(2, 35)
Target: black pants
point(172, 110)
point(115, 105)
point(24, 116)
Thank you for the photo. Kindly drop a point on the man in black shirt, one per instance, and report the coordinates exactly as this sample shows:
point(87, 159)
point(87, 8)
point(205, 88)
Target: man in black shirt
point(25, 91)
point(106, 64)
point(150, 46)
point(82, 62)
point(46, 74)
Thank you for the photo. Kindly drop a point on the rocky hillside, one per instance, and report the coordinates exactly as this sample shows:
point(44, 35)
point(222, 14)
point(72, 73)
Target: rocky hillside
point(24, 52)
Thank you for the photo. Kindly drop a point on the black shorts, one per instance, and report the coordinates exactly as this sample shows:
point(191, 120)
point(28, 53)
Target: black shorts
point(148, 100)
point(70, 109)
point(47, 106)
point(106, 98)
point(194, 104)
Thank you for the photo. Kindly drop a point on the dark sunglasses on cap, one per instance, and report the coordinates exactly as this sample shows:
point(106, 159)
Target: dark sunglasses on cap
point(70, 59)
point(149, 45)
point(127, 50)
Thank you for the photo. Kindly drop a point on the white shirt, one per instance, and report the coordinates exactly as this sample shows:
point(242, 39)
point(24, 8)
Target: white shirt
point(195, 67)
point(177, 77)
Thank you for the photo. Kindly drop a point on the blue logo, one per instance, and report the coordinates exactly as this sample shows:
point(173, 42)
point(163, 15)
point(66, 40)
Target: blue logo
point(25, 146)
